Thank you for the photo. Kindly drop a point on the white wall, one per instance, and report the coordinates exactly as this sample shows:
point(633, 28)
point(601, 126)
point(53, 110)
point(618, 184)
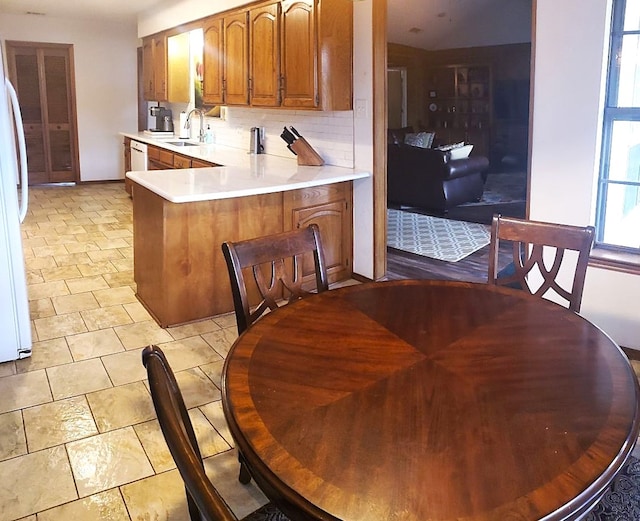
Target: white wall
point(570, 53)
point(105, 74)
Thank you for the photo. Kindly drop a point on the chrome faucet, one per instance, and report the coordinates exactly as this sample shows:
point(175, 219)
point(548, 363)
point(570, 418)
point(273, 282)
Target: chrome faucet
point(187, 123)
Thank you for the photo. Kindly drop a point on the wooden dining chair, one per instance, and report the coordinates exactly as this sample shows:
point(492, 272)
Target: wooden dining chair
point(283, 254)
point(203, 500)
point(530, 239)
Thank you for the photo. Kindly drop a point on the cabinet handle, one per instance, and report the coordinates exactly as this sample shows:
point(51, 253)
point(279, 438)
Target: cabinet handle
point(250, 86)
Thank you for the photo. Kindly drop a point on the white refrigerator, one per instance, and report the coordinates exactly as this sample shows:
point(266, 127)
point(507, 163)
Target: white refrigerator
point(15, 326)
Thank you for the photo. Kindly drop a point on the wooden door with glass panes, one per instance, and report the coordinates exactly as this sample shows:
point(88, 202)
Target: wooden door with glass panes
point(43, 77)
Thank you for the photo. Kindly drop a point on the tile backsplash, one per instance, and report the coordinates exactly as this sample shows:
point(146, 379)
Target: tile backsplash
point(329, 133)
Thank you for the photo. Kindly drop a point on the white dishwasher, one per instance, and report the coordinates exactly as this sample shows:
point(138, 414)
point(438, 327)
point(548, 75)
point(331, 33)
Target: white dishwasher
point(139, 158)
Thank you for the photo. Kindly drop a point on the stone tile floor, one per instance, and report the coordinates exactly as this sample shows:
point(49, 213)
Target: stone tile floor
point(78, 434)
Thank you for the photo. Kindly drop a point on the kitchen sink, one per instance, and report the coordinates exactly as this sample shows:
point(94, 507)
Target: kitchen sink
point(182, 144)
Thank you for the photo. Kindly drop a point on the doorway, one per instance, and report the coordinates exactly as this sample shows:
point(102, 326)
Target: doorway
point(396, 97)
point(43, 75)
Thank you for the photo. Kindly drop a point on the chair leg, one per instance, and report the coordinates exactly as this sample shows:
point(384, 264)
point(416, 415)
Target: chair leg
point(245, 476)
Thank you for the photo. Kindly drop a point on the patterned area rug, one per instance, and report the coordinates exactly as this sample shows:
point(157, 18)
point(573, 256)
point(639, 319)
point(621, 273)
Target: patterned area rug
point(621, 501)
point(441, 239)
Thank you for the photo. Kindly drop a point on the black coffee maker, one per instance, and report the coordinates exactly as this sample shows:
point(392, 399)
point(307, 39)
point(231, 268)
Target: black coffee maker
point(164, 119)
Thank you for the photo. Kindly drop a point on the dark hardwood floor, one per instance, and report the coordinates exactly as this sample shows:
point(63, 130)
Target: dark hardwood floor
point(404, 265)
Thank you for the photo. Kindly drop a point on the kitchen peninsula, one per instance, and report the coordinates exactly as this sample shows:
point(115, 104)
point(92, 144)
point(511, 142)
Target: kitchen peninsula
point(182, 216)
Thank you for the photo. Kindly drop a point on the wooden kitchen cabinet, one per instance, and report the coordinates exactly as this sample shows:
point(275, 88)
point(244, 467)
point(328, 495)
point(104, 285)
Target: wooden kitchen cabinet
point(330, 207)
point(163, 159)
point(179, 268)
point(236, 59)
point(264, 66)
point(213, 61)
point(316, 54)
point(154, 67)
point(292, 53)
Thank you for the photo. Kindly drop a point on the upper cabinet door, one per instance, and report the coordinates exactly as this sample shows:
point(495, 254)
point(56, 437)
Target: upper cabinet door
point(264, 77)
point(160, 68)
point(236, 62)
point(147, 69)
point(213, 59)
point(299, 54)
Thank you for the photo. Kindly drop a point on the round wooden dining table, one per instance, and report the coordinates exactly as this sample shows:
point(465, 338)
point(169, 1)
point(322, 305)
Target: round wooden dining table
point(430, 400)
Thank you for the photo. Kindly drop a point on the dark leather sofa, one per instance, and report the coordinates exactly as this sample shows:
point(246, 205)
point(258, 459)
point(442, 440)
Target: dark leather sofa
point(430, 179)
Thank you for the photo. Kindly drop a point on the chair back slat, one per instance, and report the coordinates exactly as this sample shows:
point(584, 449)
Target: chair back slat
point(276, 263)
point(531, 242)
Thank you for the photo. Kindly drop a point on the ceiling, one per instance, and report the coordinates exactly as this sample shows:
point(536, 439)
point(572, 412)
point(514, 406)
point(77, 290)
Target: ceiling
point(427, 24)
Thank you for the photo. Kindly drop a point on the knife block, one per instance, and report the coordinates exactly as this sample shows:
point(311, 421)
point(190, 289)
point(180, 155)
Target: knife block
point(307, 156)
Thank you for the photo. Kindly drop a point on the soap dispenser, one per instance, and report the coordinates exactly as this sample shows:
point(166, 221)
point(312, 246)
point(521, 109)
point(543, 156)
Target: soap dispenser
point(208, 135)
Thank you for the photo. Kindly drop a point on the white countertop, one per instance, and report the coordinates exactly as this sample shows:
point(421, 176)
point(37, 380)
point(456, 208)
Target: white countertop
point(242, 174)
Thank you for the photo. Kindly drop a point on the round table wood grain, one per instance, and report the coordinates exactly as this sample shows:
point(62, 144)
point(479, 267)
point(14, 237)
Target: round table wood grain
point(430, 400)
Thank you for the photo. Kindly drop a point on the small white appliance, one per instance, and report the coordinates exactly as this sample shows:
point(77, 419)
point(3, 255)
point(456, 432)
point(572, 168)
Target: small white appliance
point(139, 156)
point(15, 324)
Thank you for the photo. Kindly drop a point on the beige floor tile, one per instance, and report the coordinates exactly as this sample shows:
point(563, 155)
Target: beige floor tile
point(94, 344)
point(123, 264)
point(78, 378)
point(214, 372)
point(58, 422)
point(196, 388)
point(107, 460)
point(24, 390)
point(105, 220)
point(61, 273)
point(39, 263)
point(127, 252)
point(222, 340)
point(104, 255)
point(77, 302)
point(7, 369)
point(222, 470)
point(59, 325)
point(41, 308)
point(89, 283)
point(118, 233)
point(81, 247)
point(47, 290)
point(196, 328)
point(226, 320)
point(115, 296)
point(125, 368)
point(12, 439)
point(122, 278)
point(140, 334)
point(38, 481)
point(72, 259)
point(34, 242)
point(34, 277)
point(97, 268)
point(121, 406)
point(49, 251)
point(103, 318)
point(137, 312)
point(209, 441)
point(105, 506)
point(214, 413)
point(161, 498)
point(189, 352)
point(110, 244)
point(47, 353)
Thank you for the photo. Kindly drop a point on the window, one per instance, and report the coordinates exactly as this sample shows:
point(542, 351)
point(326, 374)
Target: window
point(618, 216)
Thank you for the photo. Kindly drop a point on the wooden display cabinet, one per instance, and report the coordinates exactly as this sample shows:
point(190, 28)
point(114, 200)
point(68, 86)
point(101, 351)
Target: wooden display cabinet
point(460, 106)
